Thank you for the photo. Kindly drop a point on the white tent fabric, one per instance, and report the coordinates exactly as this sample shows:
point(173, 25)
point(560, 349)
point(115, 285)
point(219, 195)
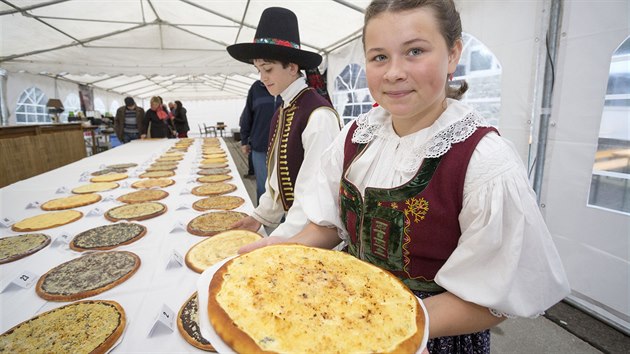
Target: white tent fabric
point(177, 46)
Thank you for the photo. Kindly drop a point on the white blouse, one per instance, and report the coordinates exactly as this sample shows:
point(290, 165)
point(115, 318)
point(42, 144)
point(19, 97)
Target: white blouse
point(321, 130)
point(505, 259)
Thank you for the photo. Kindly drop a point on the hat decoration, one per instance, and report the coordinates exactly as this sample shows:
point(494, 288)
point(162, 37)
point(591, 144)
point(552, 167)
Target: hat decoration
point(277, 38)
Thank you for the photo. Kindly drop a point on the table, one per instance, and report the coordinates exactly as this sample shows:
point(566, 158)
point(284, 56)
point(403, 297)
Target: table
point(154, 285)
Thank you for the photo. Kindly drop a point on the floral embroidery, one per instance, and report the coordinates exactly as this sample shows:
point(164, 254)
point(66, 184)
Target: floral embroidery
point(275, 41)
point(417, 208)
point(394, 205)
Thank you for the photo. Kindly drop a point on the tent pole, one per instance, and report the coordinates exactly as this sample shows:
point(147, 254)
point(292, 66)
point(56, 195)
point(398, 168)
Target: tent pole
point(553, 38)
point(4, 111)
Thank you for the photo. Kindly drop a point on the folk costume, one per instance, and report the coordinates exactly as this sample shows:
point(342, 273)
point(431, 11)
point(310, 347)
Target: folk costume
point(447, 208)
point(301, 129)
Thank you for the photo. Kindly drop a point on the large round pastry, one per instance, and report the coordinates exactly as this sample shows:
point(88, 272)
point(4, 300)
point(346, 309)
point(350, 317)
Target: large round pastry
point(213, 189)
point(218, 202)
point(214, 222)
point(87, 275)
point(144, 195)
point(217, 248)
point(107, 237)
point(95, 187)
point(47, 220)
point(17, 247)
point(79, 327)
point(73, 201)
point(152, 183)
point(136, 211)
point(188, 324)
point(298, 299)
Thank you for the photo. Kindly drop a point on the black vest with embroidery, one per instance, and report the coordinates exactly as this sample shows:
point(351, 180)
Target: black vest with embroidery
point(285, 140)
point(412, 229)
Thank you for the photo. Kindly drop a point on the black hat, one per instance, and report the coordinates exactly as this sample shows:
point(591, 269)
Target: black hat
point(277, 38)
point(129, 101)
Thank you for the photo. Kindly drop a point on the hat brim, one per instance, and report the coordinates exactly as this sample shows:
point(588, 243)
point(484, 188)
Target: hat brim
point(247, 52)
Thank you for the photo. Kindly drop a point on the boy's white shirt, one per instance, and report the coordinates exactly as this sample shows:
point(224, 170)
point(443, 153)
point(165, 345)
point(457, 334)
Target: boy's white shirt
point(320, 132)
point(505, 259)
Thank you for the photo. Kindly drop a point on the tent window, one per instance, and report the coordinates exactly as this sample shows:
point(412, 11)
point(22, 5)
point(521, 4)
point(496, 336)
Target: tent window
point(99, 106)
point(72, 103)
point(482, 71)
point(113, 108)
point(610, 181)
point(351, 96)
point(31, 107)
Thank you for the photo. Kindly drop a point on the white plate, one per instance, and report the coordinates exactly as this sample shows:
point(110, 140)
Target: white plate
point(208, 332)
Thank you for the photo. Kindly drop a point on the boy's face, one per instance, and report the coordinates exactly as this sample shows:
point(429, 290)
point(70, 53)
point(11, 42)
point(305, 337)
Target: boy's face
point(275, 77)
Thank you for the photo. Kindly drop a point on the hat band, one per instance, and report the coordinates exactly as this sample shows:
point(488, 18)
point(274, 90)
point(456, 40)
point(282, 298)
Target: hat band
point(275, 41)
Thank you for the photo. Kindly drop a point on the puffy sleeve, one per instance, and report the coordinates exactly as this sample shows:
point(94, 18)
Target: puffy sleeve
point(505, 259)
point(321, 202)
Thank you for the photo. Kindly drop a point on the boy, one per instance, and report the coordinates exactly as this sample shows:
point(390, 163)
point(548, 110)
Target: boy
point(301, 129)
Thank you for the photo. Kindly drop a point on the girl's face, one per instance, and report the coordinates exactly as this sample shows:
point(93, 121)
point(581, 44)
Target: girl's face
point(154, 105)
point(275, 77)
point(407, 64)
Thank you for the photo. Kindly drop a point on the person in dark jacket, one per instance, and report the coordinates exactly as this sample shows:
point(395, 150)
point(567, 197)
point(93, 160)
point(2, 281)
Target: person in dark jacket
point(181, 120)
point(155, 123)
point(255, 122)
point(128, 121)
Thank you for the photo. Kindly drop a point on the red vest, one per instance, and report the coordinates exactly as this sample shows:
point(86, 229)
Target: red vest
point(410, 230)
point(285, 140)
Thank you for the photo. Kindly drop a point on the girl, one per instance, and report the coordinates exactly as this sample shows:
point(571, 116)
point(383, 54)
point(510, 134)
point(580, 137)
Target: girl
point(155, 123)
point(423, 187)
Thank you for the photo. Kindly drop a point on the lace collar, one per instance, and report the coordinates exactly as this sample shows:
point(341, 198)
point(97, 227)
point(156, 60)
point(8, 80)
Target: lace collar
point(455, 125)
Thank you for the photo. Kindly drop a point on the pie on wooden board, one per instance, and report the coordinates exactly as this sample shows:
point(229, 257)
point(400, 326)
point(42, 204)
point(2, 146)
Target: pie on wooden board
point(17, 247)
point(91, 326)
point(87, 275)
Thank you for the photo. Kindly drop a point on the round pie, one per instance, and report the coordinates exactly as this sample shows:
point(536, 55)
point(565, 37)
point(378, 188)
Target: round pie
point(297, 299)
point(218, 202)
point(79, 327)
point(213, 165)
point(213, 189)
point(145, 195)
point(213, 171)
point(13, 248)
point(213, 178)
point(123, 165)
point(214, 160)
point(95, 187)
point(169, 159)
point(72, 201)
point(136, 211)
point(109, 170)
point(110, 177)
point(152, 183)
point(47, 220)
point(162, 168)
point(188, 324)
point(214, 222)
point(214, 155)
point(108, 236)
point(214, 249)
point(87, 275)
point(157, 174)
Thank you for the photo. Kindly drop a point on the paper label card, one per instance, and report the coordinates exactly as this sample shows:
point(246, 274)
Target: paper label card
point(192, 179)
point(24, 280)
point(84, 178)
point(63, 190)
point(6, 222)
point(179, 226)
point(108, 198)
point(62, 240)
point(102, 167)
point(184, 191)
point(183, 206)
point(124, 185)
point(33, 205)
point(164, 322)
point(176, 260)
point(95, 212)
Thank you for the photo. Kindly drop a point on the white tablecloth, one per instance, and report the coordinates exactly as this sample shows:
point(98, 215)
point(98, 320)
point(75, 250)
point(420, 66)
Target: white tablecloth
point(143, 295)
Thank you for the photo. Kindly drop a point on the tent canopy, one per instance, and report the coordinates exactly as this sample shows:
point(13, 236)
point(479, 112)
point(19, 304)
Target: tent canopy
point(157, 47)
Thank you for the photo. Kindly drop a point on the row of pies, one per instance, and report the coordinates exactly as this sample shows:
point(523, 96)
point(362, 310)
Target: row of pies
point(91, 274)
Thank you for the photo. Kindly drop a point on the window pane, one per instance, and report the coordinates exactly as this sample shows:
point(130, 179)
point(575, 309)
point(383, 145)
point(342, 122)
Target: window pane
point(610, 181)
point(480, 61)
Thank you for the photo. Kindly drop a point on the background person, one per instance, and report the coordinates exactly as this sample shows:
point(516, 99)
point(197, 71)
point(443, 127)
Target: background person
point(155, 123)
point(180, 120)
point(128, 121)
point(424, 187)
point(255, 122)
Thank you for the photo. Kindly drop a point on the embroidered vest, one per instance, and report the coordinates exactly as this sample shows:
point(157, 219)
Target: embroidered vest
point(409, 230)
point(285, 140)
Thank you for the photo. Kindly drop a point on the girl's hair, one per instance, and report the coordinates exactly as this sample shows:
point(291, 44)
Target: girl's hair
point(446, 15)
point(178, 104)
point(156, 99)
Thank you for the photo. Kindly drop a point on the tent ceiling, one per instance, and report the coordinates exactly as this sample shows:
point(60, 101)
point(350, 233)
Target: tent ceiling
point(175, 48)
